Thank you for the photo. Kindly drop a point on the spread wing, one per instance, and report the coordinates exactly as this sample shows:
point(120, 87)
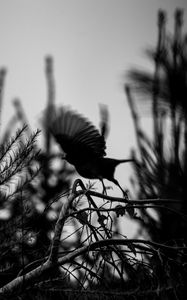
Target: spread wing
point(78, 138)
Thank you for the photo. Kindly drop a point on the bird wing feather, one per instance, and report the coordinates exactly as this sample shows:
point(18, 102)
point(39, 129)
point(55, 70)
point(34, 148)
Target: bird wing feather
point(78, 138)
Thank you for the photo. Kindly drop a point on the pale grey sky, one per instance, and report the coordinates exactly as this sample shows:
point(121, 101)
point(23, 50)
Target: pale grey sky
point(93, 43)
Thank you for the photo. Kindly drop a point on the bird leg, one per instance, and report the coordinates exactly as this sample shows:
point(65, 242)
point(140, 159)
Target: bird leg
point(104, 187)
point(124, 192)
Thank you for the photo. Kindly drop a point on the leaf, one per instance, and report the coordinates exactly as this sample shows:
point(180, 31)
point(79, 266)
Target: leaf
point(130, 210)
point(101, 219)
point(120, 210)
point(82, 217)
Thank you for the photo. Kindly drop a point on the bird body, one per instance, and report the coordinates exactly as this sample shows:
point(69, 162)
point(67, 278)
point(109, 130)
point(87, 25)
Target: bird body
point(83, 145)
point(99, 168)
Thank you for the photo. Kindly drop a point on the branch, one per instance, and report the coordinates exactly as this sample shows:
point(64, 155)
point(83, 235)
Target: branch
point(53, 261)
point(118, 199)
point(33, 276)
point(53, 257)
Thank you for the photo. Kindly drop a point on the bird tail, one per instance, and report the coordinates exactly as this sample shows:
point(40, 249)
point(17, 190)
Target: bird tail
point(108, 166)
point(119, 161)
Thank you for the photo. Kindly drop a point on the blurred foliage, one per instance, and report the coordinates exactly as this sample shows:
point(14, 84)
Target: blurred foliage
point(161, 170)
point(161, 161)
point(29, 183)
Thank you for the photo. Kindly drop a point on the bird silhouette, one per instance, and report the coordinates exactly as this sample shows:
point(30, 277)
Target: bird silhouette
point(83, 145)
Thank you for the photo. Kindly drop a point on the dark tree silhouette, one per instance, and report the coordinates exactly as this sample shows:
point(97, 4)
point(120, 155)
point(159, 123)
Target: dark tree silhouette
point(161, 169)
point(29, 187)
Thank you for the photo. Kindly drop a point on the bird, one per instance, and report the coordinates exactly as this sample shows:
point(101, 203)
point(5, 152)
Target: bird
point(83, 145)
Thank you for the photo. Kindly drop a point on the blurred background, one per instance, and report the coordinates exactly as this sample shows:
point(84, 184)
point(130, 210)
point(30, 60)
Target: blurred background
point(93, 44)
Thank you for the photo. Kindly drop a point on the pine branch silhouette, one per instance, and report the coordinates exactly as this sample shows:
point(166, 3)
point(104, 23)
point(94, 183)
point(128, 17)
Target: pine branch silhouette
point(161, 170)
point(16, 158)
